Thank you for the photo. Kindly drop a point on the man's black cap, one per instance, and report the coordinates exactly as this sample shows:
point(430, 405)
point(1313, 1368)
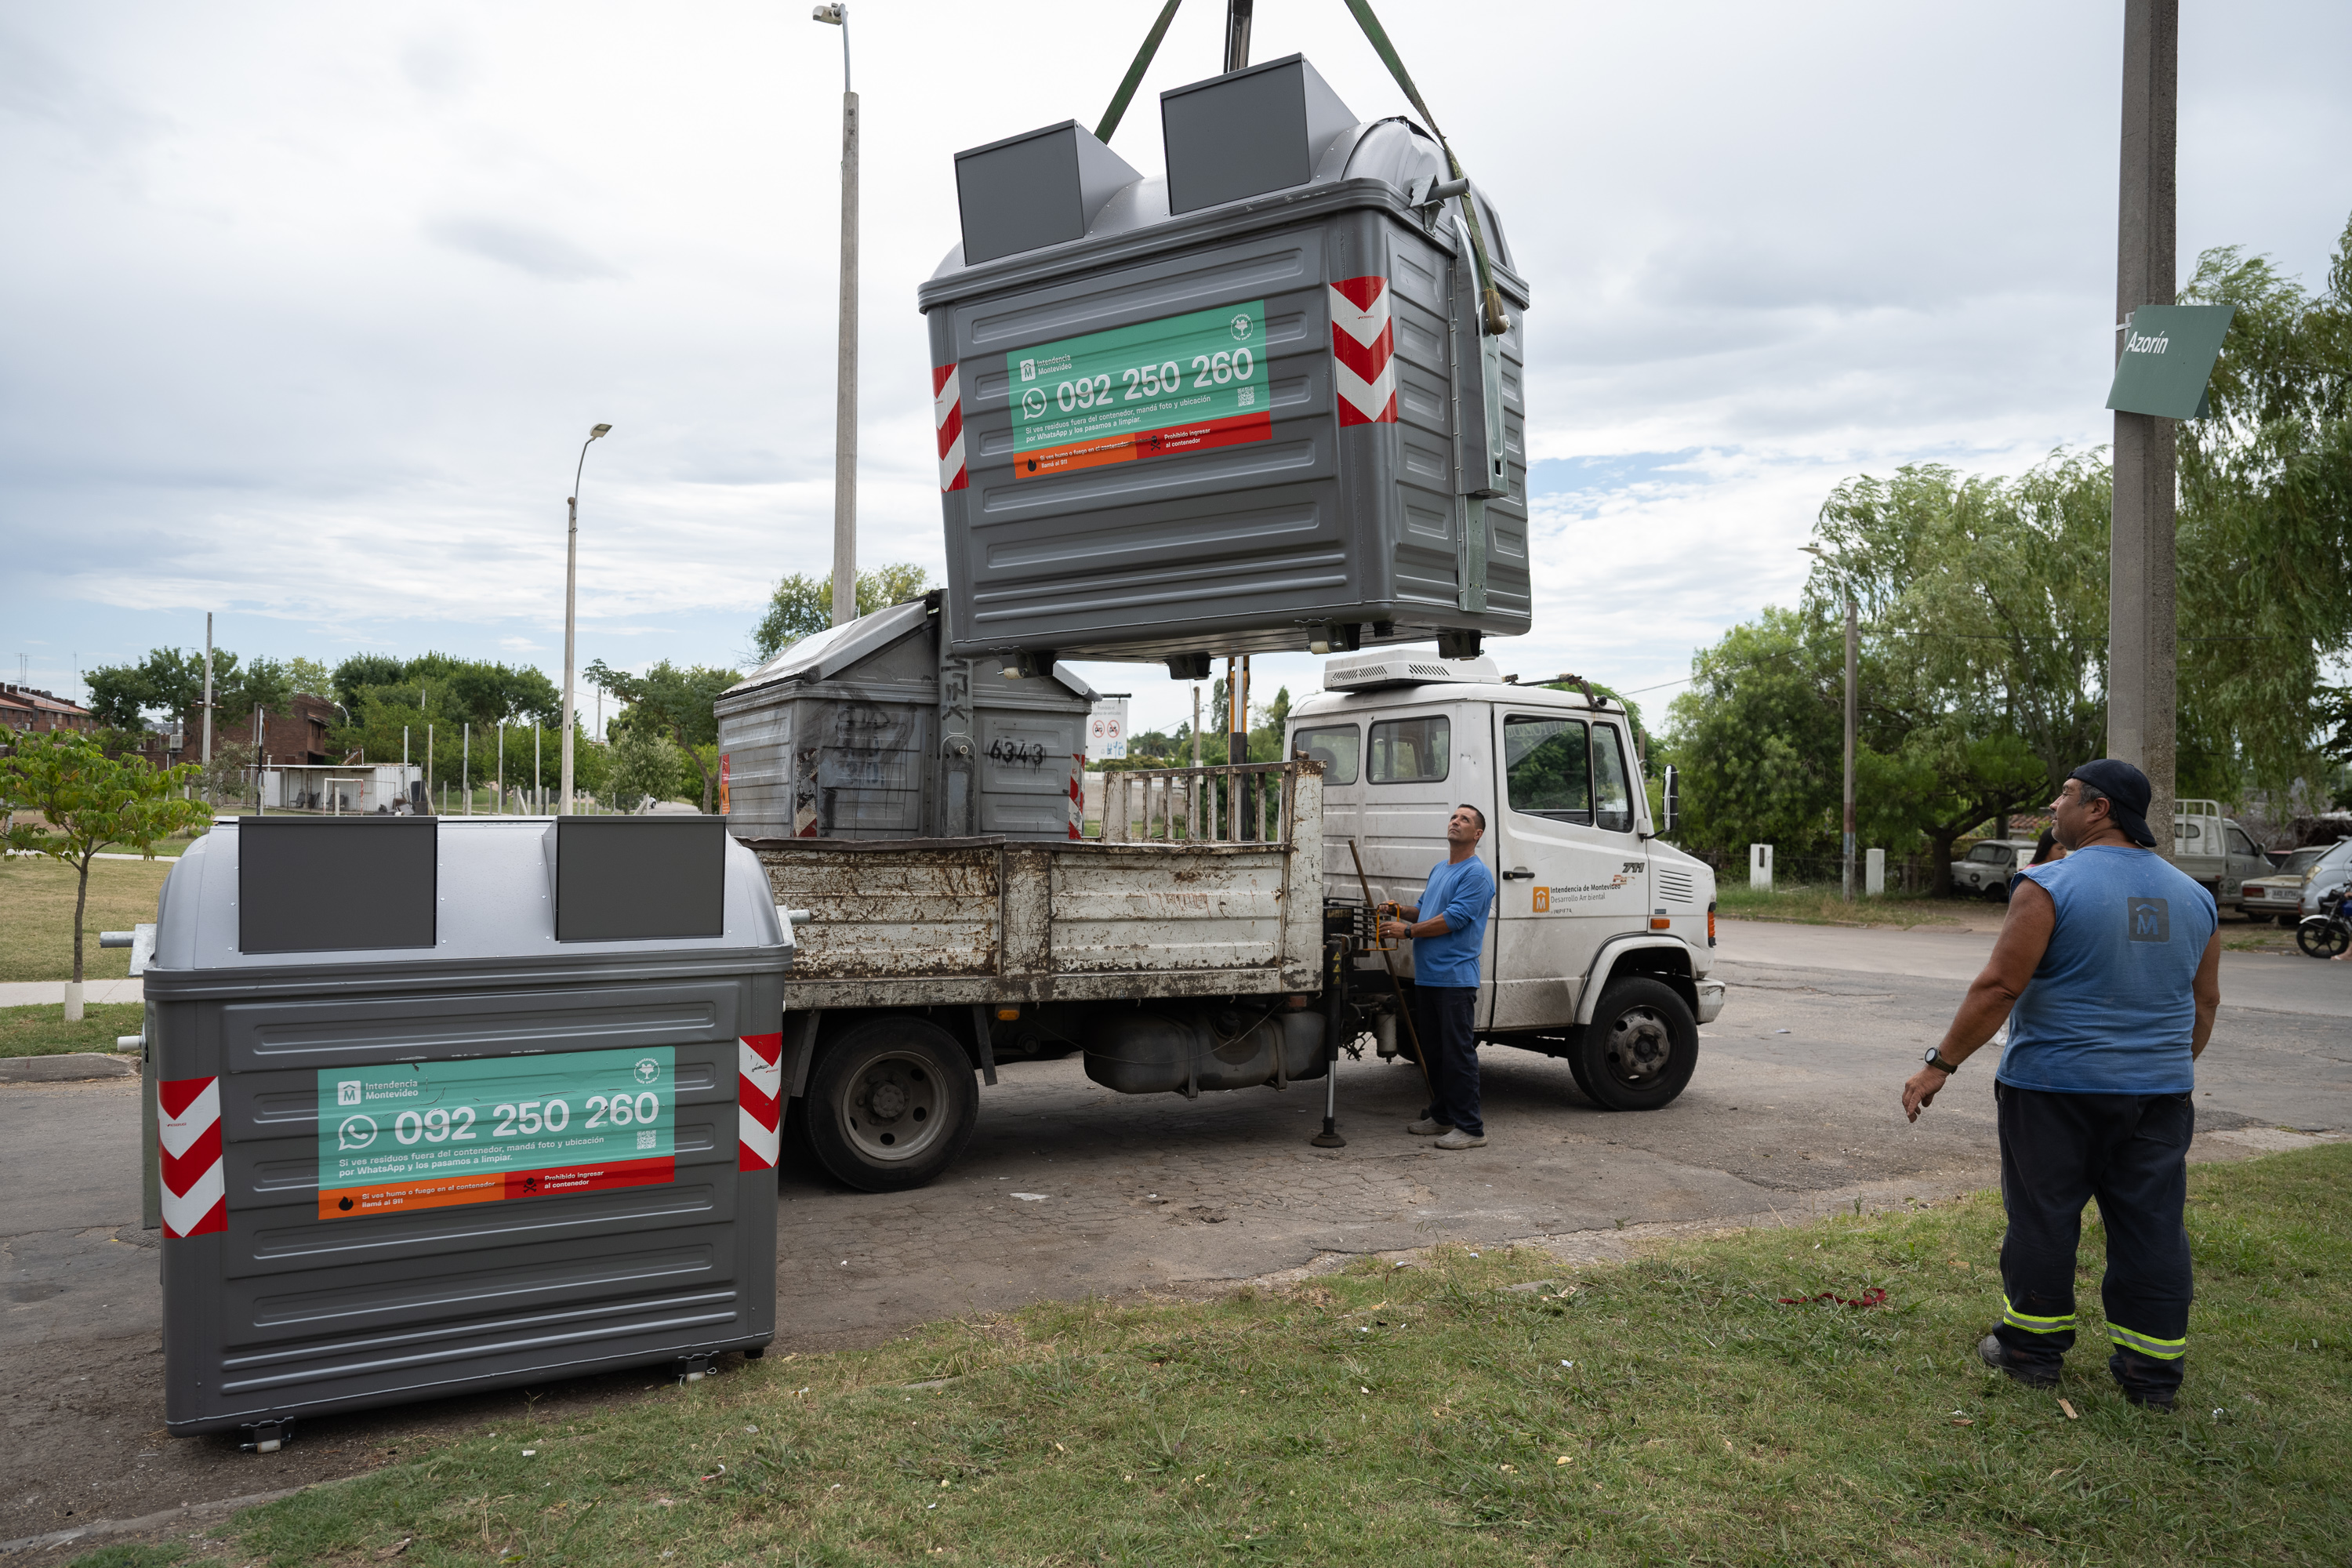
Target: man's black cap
point(2127, 792)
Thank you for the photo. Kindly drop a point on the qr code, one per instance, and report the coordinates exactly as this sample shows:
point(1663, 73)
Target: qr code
point(1249, 397)
point(645, 1140)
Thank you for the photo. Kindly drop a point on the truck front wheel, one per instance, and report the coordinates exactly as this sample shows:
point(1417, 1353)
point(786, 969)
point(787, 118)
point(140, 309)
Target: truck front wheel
point(1640, 1048)
point(890, 1104)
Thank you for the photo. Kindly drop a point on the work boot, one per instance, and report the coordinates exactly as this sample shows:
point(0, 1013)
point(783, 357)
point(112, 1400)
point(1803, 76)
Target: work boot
point(1457, 1139)
point(2000, 1357)
point(1428, 1127)
point(2139, 1390)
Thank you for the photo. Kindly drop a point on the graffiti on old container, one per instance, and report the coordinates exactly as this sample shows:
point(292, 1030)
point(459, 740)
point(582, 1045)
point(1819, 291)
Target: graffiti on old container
point(1028, 753)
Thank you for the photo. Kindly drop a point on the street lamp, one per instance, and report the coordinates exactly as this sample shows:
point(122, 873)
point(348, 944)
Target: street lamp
point(571, 599)
point(845, 406)
point(1851, 637)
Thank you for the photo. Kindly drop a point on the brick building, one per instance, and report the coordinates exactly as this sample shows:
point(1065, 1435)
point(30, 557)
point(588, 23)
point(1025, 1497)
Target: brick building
point(26, 710)
point(295, 735)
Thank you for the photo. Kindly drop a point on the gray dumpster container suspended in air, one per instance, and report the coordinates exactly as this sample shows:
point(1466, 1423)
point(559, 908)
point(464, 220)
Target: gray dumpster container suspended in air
point(449, 1104)
point(864, 731)
point(1245, 408)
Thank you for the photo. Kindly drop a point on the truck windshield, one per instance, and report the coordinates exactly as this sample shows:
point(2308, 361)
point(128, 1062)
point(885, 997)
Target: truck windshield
point(1336, 747)
point(1547, 768)
point(1410, 751)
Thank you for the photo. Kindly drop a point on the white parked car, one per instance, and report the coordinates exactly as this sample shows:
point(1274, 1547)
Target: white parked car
point(1986, 869)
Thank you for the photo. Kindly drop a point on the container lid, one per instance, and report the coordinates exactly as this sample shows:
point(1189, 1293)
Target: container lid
point(302, 902)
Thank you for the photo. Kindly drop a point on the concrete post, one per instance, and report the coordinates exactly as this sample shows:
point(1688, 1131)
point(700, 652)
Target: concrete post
point(1759, 868)
point(845, 411)
point(2141, 632)
point(1873, 877)
point(1853, 637)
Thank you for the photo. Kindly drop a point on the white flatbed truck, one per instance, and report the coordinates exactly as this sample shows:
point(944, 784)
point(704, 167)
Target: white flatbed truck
point(1215, 936)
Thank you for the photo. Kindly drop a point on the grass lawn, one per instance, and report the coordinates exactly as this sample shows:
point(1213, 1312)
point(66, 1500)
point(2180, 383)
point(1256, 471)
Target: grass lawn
point(1825, 906)
point(37, 909)
point(43, 1032)
point(1702, 1405)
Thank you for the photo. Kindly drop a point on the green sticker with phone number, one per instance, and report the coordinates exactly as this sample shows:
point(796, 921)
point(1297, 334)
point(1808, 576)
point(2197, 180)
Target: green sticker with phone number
point(428, 1134)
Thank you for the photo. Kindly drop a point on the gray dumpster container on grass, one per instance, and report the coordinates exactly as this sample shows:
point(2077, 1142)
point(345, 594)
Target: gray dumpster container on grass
point(450, 1104)
point(1242, 409)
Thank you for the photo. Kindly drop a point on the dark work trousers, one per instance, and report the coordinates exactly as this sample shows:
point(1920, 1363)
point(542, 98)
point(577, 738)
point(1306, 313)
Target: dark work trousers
point(2130, 1152)
point(1443, 1015)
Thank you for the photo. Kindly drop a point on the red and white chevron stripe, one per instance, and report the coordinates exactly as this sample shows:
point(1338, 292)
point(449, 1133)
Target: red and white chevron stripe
point(196, 1184)
point(1363, 352)
point(1077, 795)
point(759, 1100)
point(947, 421)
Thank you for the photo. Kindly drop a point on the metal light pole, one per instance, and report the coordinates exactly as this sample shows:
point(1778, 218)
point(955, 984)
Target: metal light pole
point(2142, 644)
point(571, 599)
point(845, 407)
point(1853, 641)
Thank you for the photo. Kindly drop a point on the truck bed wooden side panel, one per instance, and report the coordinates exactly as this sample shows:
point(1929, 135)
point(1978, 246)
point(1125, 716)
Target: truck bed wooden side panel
point(938, 922)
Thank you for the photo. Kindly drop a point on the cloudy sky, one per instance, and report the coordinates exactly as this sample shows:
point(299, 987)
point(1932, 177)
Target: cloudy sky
point(307, 307)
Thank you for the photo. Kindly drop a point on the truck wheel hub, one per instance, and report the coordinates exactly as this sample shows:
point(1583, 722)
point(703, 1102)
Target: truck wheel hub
point(886, 1102)
point(1638, 1047)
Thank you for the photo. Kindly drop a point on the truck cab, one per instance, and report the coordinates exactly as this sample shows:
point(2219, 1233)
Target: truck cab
point(1588, 895)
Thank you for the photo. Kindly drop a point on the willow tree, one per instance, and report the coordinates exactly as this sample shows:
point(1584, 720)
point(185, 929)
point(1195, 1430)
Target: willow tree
point(2265, 545)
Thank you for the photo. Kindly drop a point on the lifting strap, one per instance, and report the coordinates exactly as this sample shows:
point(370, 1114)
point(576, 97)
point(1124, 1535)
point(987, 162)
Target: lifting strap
point(1126, 92)
point(1496, 324)
point(1493, 323)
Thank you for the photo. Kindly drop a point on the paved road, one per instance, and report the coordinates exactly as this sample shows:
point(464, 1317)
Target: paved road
point(2274, 982)
point(1793, 1112)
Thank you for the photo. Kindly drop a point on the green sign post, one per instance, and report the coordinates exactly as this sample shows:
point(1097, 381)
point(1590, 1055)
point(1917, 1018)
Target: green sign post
point(2168, 354)
point(416, 1135)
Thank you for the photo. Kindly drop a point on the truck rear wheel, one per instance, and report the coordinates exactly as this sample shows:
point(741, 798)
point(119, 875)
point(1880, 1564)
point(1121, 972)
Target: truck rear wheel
point(890, 1104)
point(1640, 1048)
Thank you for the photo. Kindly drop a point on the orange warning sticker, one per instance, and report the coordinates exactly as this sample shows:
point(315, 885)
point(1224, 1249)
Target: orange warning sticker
point(441, 1192)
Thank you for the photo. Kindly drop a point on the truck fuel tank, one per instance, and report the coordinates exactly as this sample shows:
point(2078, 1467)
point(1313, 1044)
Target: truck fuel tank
point(1230, 1047)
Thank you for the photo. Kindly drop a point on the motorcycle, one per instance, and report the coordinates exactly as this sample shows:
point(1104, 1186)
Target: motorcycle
point(2326, 934)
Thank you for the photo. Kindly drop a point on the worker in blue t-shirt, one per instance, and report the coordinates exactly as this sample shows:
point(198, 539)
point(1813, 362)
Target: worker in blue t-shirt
point(1448, 928)
point(2108, 969)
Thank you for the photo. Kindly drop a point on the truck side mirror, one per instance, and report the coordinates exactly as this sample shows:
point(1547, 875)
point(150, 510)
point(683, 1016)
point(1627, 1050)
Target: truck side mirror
point(1670, 801)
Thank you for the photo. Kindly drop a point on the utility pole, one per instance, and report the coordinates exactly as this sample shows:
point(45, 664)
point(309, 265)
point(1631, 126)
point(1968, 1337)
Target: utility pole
point(1852, 639)
point(845, 407)
point(208, 706)
point(1852, 708)
point(2142, 644)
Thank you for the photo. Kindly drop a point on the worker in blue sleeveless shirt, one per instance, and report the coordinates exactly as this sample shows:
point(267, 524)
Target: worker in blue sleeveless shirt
point(2108, 971)
point(1448, 928)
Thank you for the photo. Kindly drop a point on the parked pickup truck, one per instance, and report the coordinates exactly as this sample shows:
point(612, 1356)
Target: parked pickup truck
point(1215, 937)
point(2216, 852)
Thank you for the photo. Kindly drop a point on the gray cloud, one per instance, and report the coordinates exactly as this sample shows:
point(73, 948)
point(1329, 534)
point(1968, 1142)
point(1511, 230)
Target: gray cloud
point(526, 248)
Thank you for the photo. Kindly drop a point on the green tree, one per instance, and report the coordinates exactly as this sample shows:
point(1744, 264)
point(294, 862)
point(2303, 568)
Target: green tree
point(802, 606)
point(89, 801)
point(674, 702)
point(308, 677)
point(362, 672)
point(169, 681)
point(646, 765)
point(2264, 553)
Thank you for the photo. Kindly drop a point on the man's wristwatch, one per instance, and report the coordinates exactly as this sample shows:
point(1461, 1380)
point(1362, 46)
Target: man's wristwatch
point(1936, 1060)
